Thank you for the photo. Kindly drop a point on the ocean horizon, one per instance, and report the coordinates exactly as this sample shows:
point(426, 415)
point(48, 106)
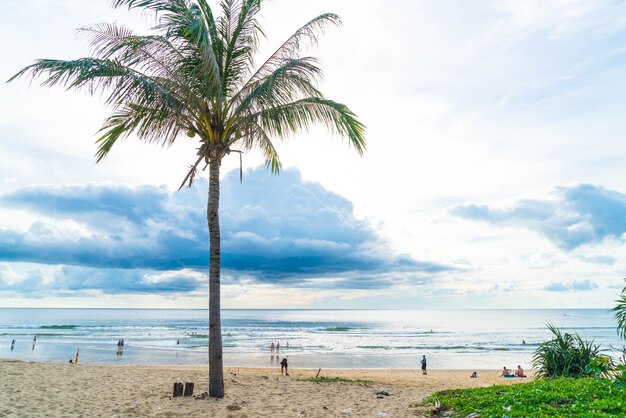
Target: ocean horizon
point(309, 338)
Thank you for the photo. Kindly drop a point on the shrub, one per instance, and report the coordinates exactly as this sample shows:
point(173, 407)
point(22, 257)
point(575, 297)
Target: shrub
point(601, 366)
point(564, 355)
point(562, 397)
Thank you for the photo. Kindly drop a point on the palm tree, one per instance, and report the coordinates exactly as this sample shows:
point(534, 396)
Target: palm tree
point(620, 314)
point(195, 74)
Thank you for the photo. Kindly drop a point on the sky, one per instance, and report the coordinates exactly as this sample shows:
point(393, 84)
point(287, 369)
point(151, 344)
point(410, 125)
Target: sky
point(493, 176)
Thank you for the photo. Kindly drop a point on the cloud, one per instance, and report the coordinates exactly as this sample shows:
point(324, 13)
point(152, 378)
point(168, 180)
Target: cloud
point(571, 286)
point(28, 282)
point(599, 259)
point(116, 281)
point(72, 281)
point(275, 229)
point(574, 216)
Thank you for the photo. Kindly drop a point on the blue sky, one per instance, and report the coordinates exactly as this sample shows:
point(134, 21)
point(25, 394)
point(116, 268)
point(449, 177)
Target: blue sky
point(493, 176)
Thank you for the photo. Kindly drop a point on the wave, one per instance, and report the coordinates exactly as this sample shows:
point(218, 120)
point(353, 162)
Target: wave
point(338, 329)
point(59, 326)
point(434, 347)
point(30, 334)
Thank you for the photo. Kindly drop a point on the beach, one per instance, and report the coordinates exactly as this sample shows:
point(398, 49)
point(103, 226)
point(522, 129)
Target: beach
point(83, 390)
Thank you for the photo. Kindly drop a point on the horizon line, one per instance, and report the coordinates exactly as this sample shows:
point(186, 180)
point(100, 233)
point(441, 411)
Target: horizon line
point(314, 309)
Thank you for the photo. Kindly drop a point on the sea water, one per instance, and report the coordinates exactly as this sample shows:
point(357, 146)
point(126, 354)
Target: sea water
point(451, 339)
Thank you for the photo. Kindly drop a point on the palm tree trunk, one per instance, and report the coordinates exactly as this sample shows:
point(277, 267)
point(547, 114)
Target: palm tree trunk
point(216, 365)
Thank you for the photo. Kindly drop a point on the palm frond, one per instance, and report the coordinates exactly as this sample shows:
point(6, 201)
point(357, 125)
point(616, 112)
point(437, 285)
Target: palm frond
point(293, 80)
point(240, 30)
point(153, 54)
point(159, 124)
point(173, 6)
point(291, 48)
point(123, 83)
point(194, 27)
point(254, 137)
point(288, 119)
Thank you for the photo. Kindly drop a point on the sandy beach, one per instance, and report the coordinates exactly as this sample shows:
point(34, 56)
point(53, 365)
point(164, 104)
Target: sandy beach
point(53, 389)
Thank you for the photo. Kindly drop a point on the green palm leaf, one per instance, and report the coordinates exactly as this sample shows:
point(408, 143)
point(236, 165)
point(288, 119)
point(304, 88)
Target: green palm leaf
point(620, 314)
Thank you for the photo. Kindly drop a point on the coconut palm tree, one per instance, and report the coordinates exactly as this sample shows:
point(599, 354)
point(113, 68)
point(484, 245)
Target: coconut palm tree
point(194, 74)
point(620, 314)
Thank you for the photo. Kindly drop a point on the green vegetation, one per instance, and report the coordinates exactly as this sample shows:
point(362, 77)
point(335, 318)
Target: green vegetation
point(620, 314)
point(584, 397)
point(575, 380)
point(336, 379)
point(565, 354)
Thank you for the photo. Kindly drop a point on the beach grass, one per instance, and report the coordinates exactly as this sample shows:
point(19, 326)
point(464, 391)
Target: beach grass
point(323, 379)
point(583, 397)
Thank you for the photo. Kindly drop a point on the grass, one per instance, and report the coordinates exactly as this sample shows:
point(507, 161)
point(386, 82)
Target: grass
point(562, 397)
point(336, 379)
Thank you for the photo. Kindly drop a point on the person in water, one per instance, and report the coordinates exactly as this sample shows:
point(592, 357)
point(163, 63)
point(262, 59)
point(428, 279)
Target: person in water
point(12, 344)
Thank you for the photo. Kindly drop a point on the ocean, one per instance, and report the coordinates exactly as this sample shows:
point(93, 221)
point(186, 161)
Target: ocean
point(451, 339)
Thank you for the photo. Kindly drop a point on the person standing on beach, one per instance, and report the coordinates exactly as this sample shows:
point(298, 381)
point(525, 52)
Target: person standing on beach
point(283, 366)
point(277, 346)
point(424, 365)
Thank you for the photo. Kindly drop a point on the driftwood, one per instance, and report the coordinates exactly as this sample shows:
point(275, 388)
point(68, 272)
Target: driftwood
point(318, 372)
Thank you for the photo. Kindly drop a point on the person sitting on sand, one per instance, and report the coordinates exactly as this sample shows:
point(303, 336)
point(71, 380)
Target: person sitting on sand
point(283, 366)
point(519, 372)
point(474, 375)
point(506, 372)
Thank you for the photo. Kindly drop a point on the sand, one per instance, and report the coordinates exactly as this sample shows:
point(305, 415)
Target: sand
point(49, 390)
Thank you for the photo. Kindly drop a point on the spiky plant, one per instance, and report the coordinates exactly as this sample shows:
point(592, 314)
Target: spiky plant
point(564, 355)
point(620, 313)
point(194, 74)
